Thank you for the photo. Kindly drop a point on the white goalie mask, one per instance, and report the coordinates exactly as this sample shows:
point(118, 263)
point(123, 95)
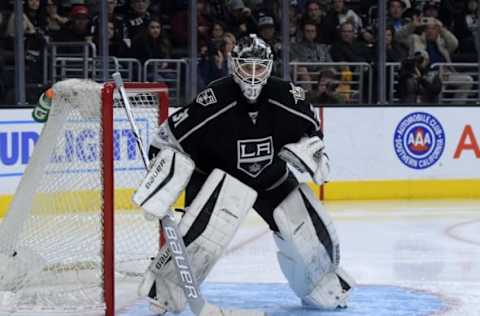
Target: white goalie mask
point(251, 63)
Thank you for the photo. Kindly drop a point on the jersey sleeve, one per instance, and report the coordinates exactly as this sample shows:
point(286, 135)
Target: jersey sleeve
point(294, 100)
point(187, 126)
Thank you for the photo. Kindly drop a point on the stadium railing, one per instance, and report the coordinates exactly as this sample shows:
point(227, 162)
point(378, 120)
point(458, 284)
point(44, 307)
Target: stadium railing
point(354, 79)
point(173, 72)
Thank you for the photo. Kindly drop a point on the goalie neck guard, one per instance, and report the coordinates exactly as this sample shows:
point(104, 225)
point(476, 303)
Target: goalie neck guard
point(251, 63)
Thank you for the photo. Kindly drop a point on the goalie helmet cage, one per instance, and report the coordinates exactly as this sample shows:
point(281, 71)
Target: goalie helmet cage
point(72, 240)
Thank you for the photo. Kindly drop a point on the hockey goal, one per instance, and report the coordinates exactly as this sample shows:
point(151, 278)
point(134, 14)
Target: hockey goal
point(71, 238)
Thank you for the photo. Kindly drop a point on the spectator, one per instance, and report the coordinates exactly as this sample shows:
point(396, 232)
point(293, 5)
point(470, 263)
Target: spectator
point(240, 20)
point(117, 46)
point(314, 13)
point(431, 9)
point(55, 21)
point(439, 43)
point(78, 29)
point(218, 31)
point(395, 18)
point(325, 91)
point(121, 30)
point(151, 43)
point(266, 31)
point(138, 18)
point(214, 64)
point(347, 48)
point(34, 20)
point(395, 52)
point(34, 26)
point(336, 16)
point(417, 84)
point(308, 50)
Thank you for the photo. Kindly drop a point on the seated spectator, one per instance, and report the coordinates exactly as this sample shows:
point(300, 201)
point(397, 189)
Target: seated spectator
point(336, 16)
point(395, 18)
point(325, 92)
point(431, 9)
point(217, 33)
point(439, 43)
point(34, 26)
point(308, 50)
point(34, 19)
point(240, 19)
point(314, 13)
point(117, 46)
point(114, 17)
point(137, 18)
point(151, 43)
point(214, 62)
point(54, 20)
point(347, 48)
point(395, 51)
point(78, 29)
point(416, 83)
point(266, 31)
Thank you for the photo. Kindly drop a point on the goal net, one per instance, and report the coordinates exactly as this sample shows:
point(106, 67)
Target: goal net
point(62, 247)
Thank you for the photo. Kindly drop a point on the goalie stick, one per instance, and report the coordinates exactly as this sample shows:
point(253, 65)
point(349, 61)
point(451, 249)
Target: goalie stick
point(181, 260)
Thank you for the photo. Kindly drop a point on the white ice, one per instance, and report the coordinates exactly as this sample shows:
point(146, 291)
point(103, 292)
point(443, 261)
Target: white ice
point(432, 246)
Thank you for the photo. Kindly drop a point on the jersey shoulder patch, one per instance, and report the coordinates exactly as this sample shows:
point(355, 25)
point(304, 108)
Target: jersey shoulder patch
point(206, 97)
point(298, 93)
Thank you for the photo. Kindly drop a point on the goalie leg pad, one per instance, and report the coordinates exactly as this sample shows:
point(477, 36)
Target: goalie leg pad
point(207, 227)
point(164, 182)
point(309, 250)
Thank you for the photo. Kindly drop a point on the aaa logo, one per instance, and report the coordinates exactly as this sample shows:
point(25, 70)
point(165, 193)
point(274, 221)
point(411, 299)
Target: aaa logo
point(419, 140)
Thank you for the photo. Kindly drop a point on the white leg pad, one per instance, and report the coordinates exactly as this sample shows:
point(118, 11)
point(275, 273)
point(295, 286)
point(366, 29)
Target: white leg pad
point(207, 227)
point(309, 251)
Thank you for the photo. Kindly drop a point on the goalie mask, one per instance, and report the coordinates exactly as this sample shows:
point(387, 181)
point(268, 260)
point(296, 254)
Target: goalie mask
point(251, 62)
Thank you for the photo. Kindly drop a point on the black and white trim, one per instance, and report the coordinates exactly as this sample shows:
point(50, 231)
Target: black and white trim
point(297, 113)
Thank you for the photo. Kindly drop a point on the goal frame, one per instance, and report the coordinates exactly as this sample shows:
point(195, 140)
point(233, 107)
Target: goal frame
point(108, 178)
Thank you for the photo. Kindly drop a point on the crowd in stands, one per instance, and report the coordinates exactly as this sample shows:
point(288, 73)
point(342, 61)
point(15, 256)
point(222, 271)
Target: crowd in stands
point(419, 33)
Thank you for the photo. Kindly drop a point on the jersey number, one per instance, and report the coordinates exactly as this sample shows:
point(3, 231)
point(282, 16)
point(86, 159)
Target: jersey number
point(179, 117)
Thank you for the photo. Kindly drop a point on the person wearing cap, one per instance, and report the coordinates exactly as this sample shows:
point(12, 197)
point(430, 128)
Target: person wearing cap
point(266, 31)
point(240, 19)
point(431, 9)
point(396, 8)
point(78, 29)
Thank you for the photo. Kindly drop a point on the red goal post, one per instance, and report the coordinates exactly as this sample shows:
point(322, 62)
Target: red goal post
point(72, 237)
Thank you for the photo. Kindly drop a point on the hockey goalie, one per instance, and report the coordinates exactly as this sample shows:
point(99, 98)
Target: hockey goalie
point(230, 150)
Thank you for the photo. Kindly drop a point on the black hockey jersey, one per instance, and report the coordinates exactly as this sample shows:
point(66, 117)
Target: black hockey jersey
point(220, 129)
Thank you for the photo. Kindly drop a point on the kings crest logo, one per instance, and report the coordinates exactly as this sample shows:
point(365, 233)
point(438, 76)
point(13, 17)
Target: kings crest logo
point(206, 97)
point(419, 140)
point(254, 155)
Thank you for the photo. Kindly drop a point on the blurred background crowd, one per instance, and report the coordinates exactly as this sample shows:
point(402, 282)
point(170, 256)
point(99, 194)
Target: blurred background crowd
point(322, 34)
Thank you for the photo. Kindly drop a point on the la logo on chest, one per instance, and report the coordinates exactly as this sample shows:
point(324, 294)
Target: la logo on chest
point(254, 155)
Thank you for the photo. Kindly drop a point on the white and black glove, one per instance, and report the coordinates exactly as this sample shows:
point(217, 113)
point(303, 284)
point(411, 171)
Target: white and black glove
point(308, 155)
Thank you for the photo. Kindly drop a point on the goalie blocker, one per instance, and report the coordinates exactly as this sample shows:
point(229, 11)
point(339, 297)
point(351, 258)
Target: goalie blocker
point(207, 228)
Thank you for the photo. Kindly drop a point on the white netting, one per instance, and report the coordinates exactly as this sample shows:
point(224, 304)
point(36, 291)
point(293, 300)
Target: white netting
point(51, 239)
